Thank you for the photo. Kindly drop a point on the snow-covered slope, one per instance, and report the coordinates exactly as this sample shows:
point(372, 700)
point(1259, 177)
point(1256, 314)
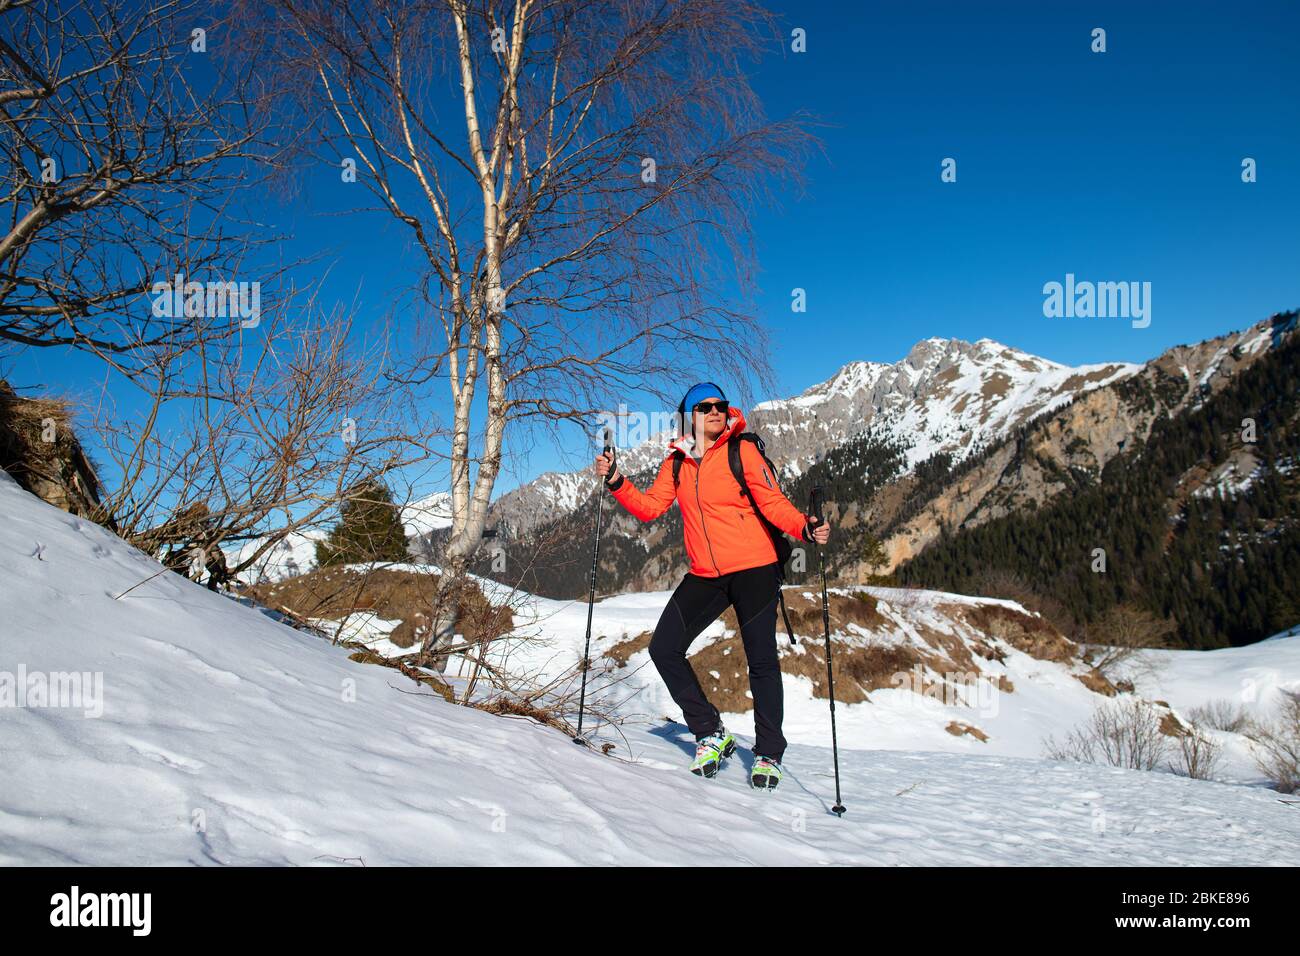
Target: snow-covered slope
point(221, 736)
point(427, 514)
point(293, 555)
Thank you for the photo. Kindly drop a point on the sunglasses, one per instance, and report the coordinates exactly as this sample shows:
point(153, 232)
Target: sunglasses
point(706, 407)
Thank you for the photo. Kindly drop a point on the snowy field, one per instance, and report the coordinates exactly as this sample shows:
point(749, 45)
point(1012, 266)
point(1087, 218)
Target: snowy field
point(221, 737)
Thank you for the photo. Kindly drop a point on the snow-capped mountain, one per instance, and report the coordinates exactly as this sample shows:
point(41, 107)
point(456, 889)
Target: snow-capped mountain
point(945, 395)
point(1083, 438)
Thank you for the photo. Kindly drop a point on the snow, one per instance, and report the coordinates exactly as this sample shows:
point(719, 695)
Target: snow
point(293, 555)
point(1250, 677)
point(427, 514)
point(228, 738)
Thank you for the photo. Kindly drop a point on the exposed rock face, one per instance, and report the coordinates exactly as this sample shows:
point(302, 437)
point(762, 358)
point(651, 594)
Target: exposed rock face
point(1076, 442)
point(39, 450)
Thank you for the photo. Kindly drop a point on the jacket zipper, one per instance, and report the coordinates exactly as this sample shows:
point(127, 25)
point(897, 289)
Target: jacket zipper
point(699, 504)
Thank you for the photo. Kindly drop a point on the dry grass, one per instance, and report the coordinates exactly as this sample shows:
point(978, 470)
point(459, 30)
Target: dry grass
point(806, 613)
point(859, 669)
point(1097, 682)
point(334, 593)
point(1029, 633)
point(621, 652)
point(957, 729)
point(58, 472)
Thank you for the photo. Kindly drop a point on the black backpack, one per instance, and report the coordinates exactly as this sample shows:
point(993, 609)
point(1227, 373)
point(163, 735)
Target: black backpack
point(779, 539)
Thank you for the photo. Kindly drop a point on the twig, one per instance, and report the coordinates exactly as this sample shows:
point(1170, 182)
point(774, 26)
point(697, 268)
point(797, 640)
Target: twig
point(162, 570)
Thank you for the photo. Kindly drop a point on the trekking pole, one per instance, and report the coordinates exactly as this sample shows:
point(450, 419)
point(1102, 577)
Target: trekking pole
point(591, 594)
point(816, 508)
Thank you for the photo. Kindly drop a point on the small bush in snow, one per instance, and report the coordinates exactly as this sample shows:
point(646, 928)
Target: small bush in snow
point(1196, 755)
point(1122, 733)
point(1121, 635)
point(1277, 744)
point(1220, 714)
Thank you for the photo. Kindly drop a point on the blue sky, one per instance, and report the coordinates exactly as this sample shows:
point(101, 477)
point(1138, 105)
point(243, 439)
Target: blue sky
point(1115, 166)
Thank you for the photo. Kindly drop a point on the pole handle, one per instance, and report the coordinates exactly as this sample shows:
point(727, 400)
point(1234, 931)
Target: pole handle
point(815, 504)
point(610, 450)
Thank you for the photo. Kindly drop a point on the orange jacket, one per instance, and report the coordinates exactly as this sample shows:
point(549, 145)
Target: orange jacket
point(722, 532)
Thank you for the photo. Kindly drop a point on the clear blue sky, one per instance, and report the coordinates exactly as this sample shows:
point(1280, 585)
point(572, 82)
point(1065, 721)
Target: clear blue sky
point(1124, 165)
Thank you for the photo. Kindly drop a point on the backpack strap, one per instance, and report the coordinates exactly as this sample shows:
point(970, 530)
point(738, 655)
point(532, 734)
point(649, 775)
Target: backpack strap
point(780, 596)
point(678, 458)
point(779, 540)
point(738, 467)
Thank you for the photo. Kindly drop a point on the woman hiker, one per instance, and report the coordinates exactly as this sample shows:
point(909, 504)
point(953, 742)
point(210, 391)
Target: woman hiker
point(733, 562)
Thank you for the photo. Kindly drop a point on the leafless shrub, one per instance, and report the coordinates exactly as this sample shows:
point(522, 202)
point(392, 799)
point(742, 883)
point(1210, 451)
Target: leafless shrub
point(1121, 635)
point(1122, 733)
point(251, 442)
point(1197, 755)
point(1277, 744)
point(1220, 714)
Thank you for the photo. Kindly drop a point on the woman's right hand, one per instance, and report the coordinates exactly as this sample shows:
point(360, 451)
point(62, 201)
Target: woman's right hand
point(605, 467)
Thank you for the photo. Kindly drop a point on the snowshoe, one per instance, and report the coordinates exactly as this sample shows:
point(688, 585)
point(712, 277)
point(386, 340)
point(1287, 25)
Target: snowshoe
point(710, 751)
point(765, 774)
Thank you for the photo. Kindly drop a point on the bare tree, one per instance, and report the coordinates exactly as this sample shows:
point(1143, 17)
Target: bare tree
point(254, 441)
point(122, 142)
point(1121, 635)
point(567, 222)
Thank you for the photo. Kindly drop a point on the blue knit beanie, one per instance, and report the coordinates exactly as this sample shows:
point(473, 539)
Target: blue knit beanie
point(697, 394)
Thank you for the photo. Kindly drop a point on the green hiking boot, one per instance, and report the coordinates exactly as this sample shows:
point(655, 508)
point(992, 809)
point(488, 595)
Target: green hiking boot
point(710, 751)
point(765, 774)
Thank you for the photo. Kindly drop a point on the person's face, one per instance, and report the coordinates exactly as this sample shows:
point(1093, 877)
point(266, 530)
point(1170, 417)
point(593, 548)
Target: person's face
point(712, 423)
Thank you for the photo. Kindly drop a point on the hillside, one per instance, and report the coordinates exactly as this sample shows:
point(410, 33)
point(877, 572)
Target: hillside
point(1198, 519)
point(219, 736)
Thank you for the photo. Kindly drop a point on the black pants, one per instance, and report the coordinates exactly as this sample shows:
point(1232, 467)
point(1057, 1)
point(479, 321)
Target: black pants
point(695, 605)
